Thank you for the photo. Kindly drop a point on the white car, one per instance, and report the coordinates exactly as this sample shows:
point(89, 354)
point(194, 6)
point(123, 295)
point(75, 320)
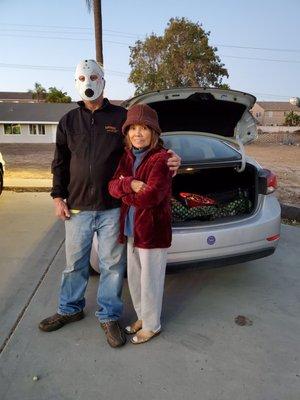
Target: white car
point(208, 128)
point(2, 169)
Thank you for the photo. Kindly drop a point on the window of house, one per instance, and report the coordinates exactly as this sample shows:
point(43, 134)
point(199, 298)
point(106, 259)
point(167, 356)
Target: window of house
point(270, 113)
point(41, 129)
point(32, 129)
point(36, 129)
point(258, 114)
point(12, 129)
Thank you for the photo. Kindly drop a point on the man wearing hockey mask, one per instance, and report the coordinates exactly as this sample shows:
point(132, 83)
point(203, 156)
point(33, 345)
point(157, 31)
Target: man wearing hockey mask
point(89, 80)
point(89, 145)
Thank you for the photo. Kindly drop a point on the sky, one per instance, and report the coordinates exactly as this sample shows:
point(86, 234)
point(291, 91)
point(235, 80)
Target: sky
point(42, 41)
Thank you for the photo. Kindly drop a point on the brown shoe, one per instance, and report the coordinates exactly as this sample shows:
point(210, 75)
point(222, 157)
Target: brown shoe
point(114, 334)
point(57, 321)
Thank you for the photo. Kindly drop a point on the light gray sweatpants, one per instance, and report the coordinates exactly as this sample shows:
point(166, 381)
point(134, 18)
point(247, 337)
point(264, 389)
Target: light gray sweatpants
point(146, 270)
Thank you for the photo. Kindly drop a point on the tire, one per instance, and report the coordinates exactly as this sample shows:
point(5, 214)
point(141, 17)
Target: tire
point(1, 180)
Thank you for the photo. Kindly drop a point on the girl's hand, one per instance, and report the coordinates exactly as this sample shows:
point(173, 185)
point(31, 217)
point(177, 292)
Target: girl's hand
point(173, 162)
point(136, 185)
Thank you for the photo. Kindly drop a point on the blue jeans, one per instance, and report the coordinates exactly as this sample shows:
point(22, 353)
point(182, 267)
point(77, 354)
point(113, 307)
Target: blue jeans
point(80, 229)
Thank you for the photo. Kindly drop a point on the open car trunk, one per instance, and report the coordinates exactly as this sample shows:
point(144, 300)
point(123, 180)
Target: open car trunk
point(202, 125)
point(227, 194)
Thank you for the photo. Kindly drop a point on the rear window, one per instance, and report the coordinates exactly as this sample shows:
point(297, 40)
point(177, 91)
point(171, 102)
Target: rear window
point(194, 148)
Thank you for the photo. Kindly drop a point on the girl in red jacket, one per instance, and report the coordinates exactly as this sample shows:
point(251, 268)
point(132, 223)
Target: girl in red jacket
point(143, 183)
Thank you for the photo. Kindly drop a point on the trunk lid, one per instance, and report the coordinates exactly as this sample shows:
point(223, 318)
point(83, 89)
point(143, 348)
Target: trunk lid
point(218, 112)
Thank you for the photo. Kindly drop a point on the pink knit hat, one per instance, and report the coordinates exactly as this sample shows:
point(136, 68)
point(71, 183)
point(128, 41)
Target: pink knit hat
point(141, 114)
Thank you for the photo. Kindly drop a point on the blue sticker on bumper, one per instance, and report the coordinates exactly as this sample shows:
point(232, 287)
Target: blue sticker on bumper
point(211, 240)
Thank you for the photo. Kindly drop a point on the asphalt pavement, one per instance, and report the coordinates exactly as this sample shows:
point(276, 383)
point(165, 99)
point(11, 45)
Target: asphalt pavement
point(201, 354)
point(30, 237)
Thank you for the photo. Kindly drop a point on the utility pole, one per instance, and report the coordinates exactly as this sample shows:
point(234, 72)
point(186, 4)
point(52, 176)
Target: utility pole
point(98, 30)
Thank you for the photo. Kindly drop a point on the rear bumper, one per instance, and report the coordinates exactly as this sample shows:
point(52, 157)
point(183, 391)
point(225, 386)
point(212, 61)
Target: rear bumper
point(220, 261)
point(228, 241)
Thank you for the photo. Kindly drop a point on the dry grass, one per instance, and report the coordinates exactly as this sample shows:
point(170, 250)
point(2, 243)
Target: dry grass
point(28, 160)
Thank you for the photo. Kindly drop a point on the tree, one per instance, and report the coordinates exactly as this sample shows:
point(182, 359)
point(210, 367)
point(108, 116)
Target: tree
point(181, 57)
point(292, 119)
point(96, 6)
point(224, 86)
point(55, 95)
point(39, 92)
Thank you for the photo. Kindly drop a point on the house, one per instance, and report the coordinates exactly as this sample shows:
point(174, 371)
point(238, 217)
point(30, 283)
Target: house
point(17, 97)
point(31, 122)
point(272, 113)
point(26, 122)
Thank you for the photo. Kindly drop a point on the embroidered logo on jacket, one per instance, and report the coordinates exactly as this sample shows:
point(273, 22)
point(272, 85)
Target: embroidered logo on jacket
point(110, 129)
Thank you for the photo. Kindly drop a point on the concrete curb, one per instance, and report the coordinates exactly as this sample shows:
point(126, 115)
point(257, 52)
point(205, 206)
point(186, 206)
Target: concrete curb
point(290, 212)
point(27, 189)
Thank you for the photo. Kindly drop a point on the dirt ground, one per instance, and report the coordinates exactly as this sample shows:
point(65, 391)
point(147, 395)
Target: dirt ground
point(284, 161)
point(34, 160)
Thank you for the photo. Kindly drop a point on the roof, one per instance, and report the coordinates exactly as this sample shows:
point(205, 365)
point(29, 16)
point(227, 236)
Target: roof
point(37, 112)
point(27, 97)
point(277, 106)
point(34, 112)
point(15, 96)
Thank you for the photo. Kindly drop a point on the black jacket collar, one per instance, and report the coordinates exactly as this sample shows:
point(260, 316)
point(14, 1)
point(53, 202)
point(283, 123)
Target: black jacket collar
point(105, 105)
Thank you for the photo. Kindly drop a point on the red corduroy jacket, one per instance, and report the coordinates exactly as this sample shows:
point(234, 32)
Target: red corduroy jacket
point(152, 218)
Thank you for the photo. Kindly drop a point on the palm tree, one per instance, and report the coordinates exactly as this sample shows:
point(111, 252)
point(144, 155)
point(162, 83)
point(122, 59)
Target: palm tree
point(55, 95)
point(96, 6)
point(39, 92)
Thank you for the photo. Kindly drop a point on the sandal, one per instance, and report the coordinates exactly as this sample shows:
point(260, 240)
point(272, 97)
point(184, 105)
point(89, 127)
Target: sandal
point(143, 336)
point(133, 328)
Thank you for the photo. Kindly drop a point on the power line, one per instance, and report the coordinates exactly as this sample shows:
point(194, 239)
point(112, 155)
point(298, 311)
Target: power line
point(260, 59)
point(63, 38)
point(45, 26)
point(135, 35)
point(71, 27)
point(68, 32)
point(259, 48)
point(110, 72)
point(55, 68)
point(65, 32)
point(128, 44)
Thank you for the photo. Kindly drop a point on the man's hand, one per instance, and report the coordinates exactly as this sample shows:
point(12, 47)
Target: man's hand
point(136, 185)
point(61, 209)
point(173, 162)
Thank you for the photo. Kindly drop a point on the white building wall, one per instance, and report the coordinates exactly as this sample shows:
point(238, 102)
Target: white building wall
point(276, 129)
point(26, 137)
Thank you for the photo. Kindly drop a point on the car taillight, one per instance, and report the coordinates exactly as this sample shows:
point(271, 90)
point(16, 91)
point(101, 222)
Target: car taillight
point(267, 182)
point(272, 238)
point(271, 181)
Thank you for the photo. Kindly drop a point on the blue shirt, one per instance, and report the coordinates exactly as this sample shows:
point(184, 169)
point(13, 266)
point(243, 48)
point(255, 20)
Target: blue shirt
point(139, 156)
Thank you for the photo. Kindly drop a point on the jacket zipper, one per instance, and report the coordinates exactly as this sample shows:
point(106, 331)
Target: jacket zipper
point(91, 156)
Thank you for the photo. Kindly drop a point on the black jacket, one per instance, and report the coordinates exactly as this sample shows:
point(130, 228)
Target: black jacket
point(89, 146)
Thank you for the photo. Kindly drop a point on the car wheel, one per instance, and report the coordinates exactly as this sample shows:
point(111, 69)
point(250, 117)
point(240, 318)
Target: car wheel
point(1, 180)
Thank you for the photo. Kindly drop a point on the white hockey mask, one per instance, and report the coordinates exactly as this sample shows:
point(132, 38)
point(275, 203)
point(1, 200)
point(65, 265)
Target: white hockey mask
point(89, 80)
